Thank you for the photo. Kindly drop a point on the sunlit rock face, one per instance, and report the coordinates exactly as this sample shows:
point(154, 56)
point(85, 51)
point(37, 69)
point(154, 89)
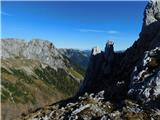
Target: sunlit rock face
point(151, 17)
point(145, 79)
point(96, 51)
point(35, 49)
point(151, 25)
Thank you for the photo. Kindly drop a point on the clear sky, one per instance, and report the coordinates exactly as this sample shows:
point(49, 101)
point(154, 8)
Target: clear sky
point(81, 25)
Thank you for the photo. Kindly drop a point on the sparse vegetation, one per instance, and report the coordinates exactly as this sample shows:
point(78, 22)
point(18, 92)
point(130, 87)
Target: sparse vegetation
point(16, 93)
point(59, 78)
point(76, 74)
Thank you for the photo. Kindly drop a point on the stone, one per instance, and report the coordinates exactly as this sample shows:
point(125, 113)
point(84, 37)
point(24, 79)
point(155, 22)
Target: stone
point(96, 50)
point(145, 80)
point(81, 109)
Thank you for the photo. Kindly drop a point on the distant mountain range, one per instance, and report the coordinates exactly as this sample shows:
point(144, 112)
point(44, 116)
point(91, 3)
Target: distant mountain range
point(36, 73)
point(78, 57)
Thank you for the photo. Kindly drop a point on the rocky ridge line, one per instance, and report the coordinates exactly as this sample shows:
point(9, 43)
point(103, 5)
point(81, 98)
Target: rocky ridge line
point(36, 49)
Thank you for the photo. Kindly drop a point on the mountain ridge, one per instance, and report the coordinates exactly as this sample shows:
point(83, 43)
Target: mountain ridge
point(31, 72)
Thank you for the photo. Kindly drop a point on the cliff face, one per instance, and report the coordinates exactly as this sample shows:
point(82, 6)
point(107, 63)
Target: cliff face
point(113, 71)
point(151, 22)
point(100, 63)
point(93, 70)
point(145, 79)
point(36, 49)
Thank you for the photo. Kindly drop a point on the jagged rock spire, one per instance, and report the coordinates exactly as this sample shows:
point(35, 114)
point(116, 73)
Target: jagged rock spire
point(152, 12)
point(96, 50)
point(93, 69)
point(110, 42)
point(151, 20)
point(99, 61)
point(109, 49)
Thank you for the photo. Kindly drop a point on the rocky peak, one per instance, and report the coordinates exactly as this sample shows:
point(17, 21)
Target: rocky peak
point(96, 50)
point(151, 21)
point(152, 12)
point(109, 49)
point(36, 49)
point(100, 62)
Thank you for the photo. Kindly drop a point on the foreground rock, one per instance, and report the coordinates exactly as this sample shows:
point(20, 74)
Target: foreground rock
point(145, 80)
point(93, 106)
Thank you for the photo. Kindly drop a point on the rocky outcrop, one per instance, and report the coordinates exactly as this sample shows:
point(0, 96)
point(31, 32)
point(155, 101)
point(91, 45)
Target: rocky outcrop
point(116, 68)
point(151, 19)
point(36, 49)
point(11, 47)
point(109, 56)
point(149, 36)
point(100, 64)
point(145, 79)
point(94, 67)
point(94, 107)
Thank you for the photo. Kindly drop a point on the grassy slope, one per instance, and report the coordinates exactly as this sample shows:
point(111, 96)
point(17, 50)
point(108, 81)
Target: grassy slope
point(27, 84)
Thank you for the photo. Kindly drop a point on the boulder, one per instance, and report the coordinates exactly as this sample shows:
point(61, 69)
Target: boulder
point(145, 79)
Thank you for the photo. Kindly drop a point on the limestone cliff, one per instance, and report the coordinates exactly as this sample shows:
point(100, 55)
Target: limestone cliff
point(35, 49)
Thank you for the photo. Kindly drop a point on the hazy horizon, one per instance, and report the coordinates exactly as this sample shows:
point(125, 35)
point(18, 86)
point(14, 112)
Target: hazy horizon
point(78, 25)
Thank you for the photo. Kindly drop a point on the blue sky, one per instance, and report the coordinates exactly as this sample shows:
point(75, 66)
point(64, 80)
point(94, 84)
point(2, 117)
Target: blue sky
point(81, 25)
